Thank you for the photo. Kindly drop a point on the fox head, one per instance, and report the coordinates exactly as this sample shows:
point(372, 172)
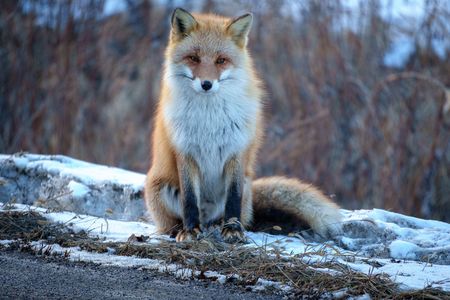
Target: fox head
point(207, 53)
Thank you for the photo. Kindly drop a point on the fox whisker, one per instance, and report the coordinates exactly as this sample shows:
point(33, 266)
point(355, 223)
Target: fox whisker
point(226, 79)
point(182, 75)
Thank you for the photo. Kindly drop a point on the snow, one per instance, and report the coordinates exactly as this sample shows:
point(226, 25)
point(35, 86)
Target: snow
point(387, 216)
point(63, 183)
point(362, 297)
point(403, 250)
point(111, 230)
point(416, 236)
point(78, 190)
point(6, 243)
point(414, 275)
point(86, 173)
point(411, 251)
point(262, 284)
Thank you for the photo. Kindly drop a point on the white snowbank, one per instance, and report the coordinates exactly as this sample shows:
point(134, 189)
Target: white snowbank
point(388, 234)
point(70, 168)
point(63, 183)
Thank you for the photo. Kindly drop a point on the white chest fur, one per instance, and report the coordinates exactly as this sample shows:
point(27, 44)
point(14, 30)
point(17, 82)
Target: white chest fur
point(210, 128)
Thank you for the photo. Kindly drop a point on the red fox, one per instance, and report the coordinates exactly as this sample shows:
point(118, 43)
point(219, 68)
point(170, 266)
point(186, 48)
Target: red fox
point(208, 128)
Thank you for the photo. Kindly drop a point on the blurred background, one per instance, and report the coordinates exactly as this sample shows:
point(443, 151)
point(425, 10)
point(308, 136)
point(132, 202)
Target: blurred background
point(358, 92)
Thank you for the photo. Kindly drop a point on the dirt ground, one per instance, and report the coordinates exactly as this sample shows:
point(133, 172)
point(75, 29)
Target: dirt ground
point(25, 276)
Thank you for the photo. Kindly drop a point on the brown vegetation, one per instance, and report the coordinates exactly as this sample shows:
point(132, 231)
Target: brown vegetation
point(74, 82)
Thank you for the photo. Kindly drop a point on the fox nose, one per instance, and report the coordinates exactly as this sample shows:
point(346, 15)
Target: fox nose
point(206, 85)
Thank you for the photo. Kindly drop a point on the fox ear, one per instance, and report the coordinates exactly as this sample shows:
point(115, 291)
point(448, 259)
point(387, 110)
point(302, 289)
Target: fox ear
point(182, 23)
point(239, 29)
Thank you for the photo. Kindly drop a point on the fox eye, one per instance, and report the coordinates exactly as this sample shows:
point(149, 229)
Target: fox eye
point(220, 61)
point(194, 59)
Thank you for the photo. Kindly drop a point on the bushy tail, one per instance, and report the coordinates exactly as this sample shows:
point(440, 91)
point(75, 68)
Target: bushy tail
point(292, 205)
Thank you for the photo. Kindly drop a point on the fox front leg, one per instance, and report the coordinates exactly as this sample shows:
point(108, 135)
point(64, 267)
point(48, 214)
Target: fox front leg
point(232, 230)
point(189, 182)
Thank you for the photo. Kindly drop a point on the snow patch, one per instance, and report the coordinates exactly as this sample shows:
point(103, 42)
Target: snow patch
point(262, 284)
point(6, 243)
point(78, 190)
point(403, 250)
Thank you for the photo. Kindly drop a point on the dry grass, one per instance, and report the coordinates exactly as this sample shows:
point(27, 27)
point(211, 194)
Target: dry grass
point(250, 264)
point(28, 226)
point(31, 226)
